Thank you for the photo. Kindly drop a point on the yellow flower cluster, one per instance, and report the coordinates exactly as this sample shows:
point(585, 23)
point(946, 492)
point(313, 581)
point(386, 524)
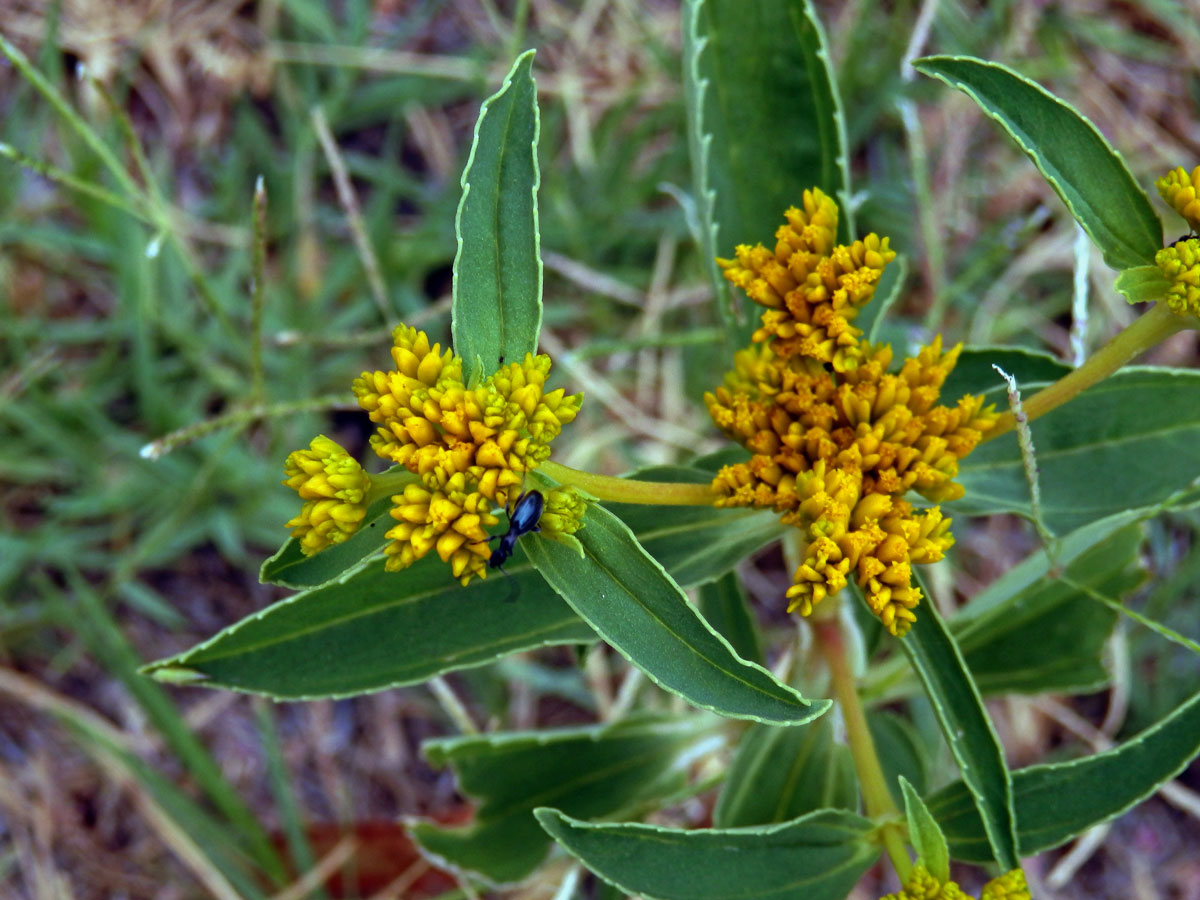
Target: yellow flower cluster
point(837, 439)
point(335, 486)
point(811, 287)
point(1181, 264)
point(469, 446)
point(921, 885)
point(1179, 190)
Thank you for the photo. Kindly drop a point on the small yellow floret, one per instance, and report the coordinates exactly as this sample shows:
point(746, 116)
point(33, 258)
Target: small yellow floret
point(1181, 264)
point(563, 512)
point(335, 486)
point(1180, 191)
point(921, 885)
point(452, 521)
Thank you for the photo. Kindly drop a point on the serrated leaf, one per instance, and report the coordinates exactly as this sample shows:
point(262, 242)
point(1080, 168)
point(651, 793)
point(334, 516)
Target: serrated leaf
point(1050, 636)
point(1070, 152)
point(779, 774)
point(593, 771)
point(1057, 802)
point(1131, 442)
point(817, 857)
point(924, 834)
point(696, 543)
point(379, 629)
point(966, 726)
point(726, 608)
point(1143, 284)
point(637, 608)
point(784, 88)
point(497, 310)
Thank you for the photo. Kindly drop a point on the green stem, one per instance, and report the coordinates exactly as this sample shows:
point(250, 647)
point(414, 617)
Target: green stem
point(1154, 327)
point(629, 490)
point(876, 797)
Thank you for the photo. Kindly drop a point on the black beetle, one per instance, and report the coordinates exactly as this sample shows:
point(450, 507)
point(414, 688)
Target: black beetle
point(526, 513)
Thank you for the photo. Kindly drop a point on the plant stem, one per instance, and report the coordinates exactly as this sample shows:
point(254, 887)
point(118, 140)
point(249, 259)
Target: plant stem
point(1154, 327)
point(629, 490)
point(876, 796)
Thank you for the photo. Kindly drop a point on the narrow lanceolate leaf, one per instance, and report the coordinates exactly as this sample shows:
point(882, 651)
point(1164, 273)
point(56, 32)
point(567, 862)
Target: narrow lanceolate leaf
point(377, 629)
point(1049, 635)
point(291, 568)
point(818, 857)
point(726, 608)
point(779, 774)
point(637, 608)
point(1128, 443)
point(973, 373)
point(763, 125)
point(927, 838)
point(498, 268)
point(966, 727)
point(1056, 802)
point(592, 771)
point(891, 284)
point(1070, 152)
point(1144, 284)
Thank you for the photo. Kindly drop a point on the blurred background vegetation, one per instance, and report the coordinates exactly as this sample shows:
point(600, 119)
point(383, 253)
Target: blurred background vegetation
point(128, 315)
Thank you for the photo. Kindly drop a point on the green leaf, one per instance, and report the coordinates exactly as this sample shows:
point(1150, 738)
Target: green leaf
point(784, 87)
point(497, 310)
point(637, 608)
point(696, 544)
point(887, 292)
point(781, 773)
point(973, 374)
point(1056, 802)
point(1049, 635)
point(726, 608)
point(1142, 284)
point(592, 771)
point(291, 568)
point(966, 727)
point(1128, 443)
point(902, 753)
point(1070, 152)
point(377, 629)
point(923, 831)
point(818, 857)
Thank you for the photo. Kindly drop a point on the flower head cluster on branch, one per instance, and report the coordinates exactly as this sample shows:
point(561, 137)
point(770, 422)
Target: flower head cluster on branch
point(1180, 261)
point(837, 438)
point(469, 447)
point(921, 885)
